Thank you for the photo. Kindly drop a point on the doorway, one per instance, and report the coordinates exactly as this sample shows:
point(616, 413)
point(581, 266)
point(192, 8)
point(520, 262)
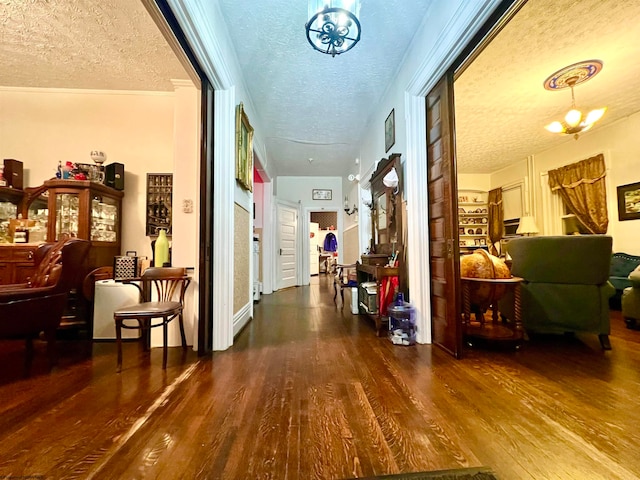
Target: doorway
point(323, 242)
point(121, 106)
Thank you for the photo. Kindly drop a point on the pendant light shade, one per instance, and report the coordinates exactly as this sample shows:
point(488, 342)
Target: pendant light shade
point(333, 27)
point(575, 121)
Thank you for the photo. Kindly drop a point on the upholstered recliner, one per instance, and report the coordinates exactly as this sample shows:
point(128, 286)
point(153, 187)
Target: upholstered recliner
point(622, 264)
point(631, 301)
point(566, 284)
point(37, 306)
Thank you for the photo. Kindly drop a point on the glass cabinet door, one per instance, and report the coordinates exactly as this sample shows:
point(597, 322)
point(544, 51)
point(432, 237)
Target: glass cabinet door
point(67, 209)
point(38, 212)
point(104, 219)
point(8, 210)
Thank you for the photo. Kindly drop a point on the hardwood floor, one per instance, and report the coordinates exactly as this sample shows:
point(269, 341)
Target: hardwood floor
point(309, 391)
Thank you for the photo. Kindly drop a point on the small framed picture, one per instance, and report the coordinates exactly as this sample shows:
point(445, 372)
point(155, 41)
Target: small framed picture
point(629, 202)
point(483, 241)
point(321, 194)
point(390, 131)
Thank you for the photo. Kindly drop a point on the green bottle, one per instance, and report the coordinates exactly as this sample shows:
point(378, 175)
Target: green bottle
point(161, 251)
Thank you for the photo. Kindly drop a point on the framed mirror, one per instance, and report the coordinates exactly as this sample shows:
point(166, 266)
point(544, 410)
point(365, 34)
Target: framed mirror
point(386, 219)
point(381, 210)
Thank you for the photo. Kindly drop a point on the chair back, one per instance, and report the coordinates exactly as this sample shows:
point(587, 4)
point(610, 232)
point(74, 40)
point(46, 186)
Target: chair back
point(60, 264)
point(566, 259)
point(74, 264)
point(47, 258)
point(168, 283)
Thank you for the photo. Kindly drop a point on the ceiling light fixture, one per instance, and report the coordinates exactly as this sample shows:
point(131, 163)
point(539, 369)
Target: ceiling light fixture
point(333, 26)
point(575, 122)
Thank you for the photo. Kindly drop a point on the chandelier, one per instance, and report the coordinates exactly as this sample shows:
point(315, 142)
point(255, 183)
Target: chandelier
point(333, 27)
point(575, 121)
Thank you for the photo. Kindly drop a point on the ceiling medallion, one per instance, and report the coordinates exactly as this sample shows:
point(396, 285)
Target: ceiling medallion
point(581, 72)
point(575, 122)
point(333, 27)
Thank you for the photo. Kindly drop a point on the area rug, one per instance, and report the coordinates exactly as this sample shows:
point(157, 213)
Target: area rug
point(477, 473)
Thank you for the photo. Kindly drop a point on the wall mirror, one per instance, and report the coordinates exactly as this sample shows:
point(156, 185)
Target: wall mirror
point(386, 205)
point(381, 209)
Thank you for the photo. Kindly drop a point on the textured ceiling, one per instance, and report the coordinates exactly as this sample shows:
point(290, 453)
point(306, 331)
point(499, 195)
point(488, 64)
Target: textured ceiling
point(316, 106)
point(313, 105)
point(501, 104)
point(88, 44)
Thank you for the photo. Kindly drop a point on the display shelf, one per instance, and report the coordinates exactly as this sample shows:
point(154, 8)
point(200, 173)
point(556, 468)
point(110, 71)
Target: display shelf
point(159, 202)
point(473, 219)
point(87, 210)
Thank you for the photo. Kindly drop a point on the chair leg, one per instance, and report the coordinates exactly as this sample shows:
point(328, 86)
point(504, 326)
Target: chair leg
point(182, 335)
point(342, 296)
point(119, 343)
point(52, 351)
point(335, 292)
point(145, 327)
point(164, 340)
point(28, 355)
point(604, 341)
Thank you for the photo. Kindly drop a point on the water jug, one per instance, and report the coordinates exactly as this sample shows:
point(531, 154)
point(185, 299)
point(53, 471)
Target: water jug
point(402, 322)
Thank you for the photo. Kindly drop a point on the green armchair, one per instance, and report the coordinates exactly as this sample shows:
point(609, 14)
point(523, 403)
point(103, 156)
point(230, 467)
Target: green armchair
point(631, 300)
point(566, 284)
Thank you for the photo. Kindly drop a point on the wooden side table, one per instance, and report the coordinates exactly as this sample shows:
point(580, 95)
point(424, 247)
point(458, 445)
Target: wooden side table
point(496, 330)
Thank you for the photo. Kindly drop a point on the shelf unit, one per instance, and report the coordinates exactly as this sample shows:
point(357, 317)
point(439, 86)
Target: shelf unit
point(473, 219)
point(372, 273)
point(86, 210)
point(17, 260)
point(159, 202)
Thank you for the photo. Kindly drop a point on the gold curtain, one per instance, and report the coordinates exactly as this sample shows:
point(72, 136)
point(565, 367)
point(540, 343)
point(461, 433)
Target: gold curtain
point(496, 219)
point(582, 188)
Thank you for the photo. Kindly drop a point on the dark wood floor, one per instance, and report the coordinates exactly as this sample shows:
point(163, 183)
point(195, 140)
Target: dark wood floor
point(308, 391)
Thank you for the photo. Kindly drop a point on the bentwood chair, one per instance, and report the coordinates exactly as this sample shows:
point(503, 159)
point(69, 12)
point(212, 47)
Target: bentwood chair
point(345, 278)
point(169, 285)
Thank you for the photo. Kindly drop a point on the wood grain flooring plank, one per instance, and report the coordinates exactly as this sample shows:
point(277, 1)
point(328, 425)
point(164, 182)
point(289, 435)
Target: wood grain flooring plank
point(308, 391)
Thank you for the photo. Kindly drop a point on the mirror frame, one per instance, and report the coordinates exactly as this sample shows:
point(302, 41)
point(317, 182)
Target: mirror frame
point(394, 205)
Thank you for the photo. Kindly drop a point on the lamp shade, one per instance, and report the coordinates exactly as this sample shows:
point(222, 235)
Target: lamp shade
point(527, 226)
point(333, 26)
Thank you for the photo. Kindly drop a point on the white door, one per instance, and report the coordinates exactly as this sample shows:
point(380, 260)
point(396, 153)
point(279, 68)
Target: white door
point(314, 254)
point(287, 263)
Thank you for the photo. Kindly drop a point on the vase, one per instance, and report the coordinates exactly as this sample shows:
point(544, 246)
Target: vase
point(161, 250)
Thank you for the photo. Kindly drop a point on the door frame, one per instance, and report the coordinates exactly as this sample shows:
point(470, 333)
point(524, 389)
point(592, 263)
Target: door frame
point(305, 231)
point(470, 24)
point(168, 23)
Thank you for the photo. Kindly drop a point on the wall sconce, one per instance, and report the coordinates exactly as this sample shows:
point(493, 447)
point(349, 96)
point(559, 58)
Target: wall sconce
point(346, 207)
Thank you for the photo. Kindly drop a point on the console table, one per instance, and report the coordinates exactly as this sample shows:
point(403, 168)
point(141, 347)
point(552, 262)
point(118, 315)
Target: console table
point(372, 273)
point(495, 331)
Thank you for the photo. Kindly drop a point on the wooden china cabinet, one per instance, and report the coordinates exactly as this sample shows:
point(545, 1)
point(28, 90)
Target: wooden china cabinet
point(17, 259)
point(87, 210)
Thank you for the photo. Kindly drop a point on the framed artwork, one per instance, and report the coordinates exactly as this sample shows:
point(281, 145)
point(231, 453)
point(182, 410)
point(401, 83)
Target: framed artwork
point(244, 149)
point(390, 131)
point(629, 201)
point(321, 194)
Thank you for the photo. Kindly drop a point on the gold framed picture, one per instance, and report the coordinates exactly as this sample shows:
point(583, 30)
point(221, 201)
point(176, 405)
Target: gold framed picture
point(244, 149)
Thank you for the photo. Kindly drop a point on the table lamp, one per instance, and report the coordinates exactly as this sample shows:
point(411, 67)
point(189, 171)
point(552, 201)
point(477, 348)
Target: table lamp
point(527, 226)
